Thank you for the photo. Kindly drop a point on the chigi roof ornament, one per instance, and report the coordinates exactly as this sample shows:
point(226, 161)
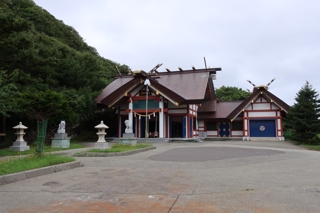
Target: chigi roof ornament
point(265, 86)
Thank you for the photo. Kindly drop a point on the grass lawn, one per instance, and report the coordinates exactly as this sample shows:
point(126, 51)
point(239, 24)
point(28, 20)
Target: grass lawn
point(122, 147)
point(8, 152)
point(313, 147)
point(17, 164)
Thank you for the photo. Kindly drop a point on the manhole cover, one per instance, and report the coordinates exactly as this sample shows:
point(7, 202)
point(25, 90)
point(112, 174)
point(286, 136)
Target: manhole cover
point(52, 184)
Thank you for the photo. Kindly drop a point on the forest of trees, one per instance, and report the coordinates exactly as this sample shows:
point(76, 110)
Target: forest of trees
point(47, 71)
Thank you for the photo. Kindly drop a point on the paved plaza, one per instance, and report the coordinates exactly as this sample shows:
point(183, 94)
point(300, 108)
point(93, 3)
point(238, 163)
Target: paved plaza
point(224, 176)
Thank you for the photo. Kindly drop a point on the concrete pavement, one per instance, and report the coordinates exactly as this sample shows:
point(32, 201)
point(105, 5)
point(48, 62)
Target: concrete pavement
point(240, 176)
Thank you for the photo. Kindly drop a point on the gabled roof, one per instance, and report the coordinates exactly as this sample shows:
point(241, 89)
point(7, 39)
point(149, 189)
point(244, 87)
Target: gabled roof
point(112, 87)
point(213, 109)
point(117, 90)
point(208, 106)
point(257, 92)
point(190, 86)
point(180, 87)
point(222, 109)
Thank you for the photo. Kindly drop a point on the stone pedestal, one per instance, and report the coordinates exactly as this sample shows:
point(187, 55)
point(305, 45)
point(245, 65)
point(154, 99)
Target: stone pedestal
point(60, 140)
point(128, 138)
point(19, 146)
point(101, 145)
point(128, 135)
point(132, 141)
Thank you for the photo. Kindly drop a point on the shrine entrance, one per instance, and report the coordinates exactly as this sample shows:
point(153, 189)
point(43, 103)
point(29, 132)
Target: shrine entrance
point(176, 130)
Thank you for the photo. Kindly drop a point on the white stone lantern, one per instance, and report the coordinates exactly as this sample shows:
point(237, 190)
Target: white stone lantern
point(101, 143)
point(20, 144)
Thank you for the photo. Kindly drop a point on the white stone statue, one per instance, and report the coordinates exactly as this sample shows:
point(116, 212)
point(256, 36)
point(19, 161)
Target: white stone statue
point(128, 126)
point(62, 126)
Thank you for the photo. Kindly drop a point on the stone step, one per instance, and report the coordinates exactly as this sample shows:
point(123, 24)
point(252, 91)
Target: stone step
point(223, 139)
point(263, 139)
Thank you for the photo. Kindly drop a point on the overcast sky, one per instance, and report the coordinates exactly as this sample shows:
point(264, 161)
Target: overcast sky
point(250, 39)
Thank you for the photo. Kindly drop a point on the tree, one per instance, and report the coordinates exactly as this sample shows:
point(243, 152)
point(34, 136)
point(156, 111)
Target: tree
point(8, 91)
point(42, 105)
point(231, 93)
point(303, 117)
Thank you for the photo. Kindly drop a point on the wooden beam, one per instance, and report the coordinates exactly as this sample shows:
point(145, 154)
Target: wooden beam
point(149, 110)
point(193, 68)
point(155, 68)
point(251, 83)
point(118, 71)
point(168, 70)
point(152, 97)
point(180, 69)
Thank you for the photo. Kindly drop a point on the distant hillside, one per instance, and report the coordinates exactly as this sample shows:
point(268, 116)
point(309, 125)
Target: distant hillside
point(36, 43)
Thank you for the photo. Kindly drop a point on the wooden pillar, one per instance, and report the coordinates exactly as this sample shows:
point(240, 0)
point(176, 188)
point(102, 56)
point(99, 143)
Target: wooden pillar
point(130, 114)
point(161, 119)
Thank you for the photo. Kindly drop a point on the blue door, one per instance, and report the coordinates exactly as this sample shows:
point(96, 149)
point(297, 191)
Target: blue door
point(262, 128)
point(184, 123)
point(224, 129)
point(142, 127)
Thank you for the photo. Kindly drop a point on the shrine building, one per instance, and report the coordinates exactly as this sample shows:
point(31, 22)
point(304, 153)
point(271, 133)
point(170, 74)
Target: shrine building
point(182, 104)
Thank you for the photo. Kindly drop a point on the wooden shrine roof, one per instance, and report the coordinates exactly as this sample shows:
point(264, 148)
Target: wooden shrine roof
point(222, 110)
point(180, 87)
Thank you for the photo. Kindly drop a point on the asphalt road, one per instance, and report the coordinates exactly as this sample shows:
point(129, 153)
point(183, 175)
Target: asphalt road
point(228, 176)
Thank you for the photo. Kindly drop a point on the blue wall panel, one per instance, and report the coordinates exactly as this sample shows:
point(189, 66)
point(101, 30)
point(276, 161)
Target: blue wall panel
point(262, 128)
point(141, 104)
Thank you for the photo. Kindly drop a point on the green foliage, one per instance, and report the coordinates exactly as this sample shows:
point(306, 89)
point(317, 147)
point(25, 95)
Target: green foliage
point(303, 117)
point(8, 91)
point(41, 105)
point(231, 93)
point(312, 147)
point(288, 134)
point(18, 164)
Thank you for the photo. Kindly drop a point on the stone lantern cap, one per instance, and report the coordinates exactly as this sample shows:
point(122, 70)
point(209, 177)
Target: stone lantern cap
point(101, 126)
point(20, 126)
